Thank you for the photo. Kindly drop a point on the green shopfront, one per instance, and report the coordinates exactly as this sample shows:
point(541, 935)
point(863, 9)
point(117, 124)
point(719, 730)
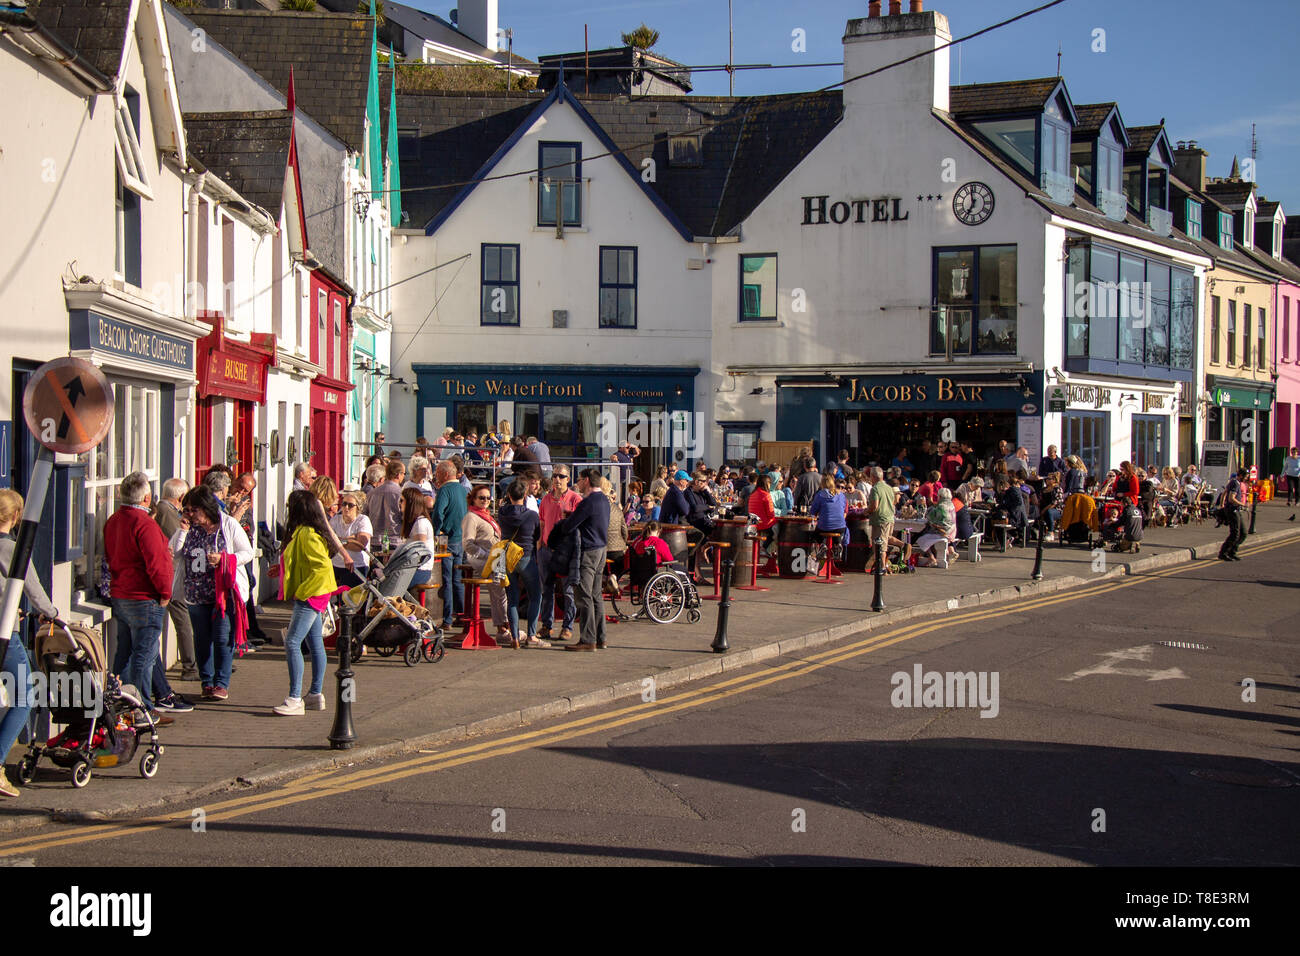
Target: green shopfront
point(581, 412)
point(873, 416)
point(1239, 412)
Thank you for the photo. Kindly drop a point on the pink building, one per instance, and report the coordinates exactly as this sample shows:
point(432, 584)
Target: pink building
point(1270, 225)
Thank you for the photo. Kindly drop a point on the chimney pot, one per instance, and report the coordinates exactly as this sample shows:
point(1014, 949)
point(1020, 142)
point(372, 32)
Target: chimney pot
point(895, 7)
point(916, 6)
point(873, 9)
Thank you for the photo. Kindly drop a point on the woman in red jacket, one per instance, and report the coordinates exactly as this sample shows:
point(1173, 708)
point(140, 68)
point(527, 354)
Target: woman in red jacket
point(760, 506)
point(1126, 483)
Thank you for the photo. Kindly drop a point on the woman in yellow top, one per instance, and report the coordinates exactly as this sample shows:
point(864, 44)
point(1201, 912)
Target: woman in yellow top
point(308, 580)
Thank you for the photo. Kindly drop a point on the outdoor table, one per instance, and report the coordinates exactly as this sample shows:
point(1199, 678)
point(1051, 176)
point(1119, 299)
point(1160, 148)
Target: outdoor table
point(794, 534)
point(674, 536)
point(858, 551)
point(731, 531)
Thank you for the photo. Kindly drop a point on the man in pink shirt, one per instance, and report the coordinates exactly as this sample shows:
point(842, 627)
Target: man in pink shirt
point(556, 504)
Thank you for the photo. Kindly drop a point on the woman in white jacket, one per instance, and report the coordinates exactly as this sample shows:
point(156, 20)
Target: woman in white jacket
point(205, 536)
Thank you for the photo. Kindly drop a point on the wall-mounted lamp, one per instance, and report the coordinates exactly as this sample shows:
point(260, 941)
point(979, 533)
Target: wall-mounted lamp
point(679, 391)
point(232, 454)
point(609, 388)
point(275, 446)
point(756, 391)
point(259, 455)
point(293, 452)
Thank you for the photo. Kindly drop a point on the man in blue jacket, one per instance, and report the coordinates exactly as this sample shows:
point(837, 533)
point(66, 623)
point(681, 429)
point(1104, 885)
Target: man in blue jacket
point(591, 520)
point(675, 507)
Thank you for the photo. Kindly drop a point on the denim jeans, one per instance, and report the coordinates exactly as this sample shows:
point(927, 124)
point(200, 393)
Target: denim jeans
point(214, 643)
point(18, 666)
point(453, 597)
point(139, 629)
point(305, 622)
point(546, 572)
point(524, 575)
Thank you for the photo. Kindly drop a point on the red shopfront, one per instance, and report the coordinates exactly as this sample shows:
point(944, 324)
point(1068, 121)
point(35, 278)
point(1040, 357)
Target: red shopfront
point(329, 407)
point(330, 348)
point(232, 381)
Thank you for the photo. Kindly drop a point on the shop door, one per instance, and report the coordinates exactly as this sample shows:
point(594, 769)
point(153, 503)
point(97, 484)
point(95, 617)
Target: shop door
point(650, 432)
point(243, 436)
point(320, 442)
point(1147, 448)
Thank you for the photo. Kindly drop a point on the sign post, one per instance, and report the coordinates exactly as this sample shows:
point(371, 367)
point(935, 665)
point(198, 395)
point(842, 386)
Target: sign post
point(68, 405)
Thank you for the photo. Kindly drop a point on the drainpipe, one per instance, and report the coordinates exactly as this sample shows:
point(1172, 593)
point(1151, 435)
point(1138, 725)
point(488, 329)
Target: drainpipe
point(192, 248)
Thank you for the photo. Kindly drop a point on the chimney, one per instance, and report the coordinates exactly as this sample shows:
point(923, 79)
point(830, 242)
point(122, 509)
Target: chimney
point(916, 6)
point(875, 41)
point(1189, 164)
point(477, 19)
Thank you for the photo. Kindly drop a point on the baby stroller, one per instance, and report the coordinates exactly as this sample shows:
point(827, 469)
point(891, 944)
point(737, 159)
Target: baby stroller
point(663, 591)
point(1121, 525)
point(104, 720)
point(389, 619)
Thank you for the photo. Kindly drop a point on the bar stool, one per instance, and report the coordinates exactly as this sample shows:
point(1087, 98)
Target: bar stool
point(475, 634)
point(420, 590)
point(718, 548)
point(753, 584)
point(612, 598)
point(830, 537)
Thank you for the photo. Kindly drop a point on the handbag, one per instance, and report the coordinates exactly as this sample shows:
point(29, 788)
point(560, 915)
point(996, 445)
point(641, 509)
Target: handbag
point(514, 553)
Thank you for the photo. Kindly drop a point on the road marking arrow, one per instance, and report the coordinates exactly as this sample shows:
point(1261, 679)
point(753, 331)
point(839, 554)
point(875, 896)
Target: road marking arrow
point(1140, 653)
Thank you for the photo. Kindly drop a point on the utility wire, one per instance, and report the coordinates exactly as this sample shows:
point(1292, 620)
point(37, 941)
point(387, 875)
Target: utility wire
point(757, 108)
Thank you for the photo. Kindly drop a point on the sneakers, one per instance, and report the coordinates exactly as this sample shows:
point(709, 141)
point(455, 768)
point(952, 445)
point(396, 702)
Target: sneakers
point(7, 788)
point(159, 720)
point(220, 693)
point(315, 702)
point(176, 704)
point(207, 692)
point(566, 633)
point(292, 707)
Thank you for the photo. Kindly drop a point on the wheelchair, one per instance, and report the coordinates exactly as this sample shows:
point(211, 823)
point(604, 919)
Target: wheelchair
point(663, 592)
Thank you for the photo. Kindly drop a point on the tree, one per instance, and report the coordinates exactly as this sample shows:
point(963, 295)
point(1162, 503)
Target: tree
point(363, 6)
point(302, 6)
point(643, 38)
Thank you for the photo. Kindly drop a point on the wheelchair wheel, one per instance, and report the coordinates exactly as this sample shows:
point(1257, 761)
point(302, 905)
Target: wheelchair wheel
point(693, 616)
point(664, 597)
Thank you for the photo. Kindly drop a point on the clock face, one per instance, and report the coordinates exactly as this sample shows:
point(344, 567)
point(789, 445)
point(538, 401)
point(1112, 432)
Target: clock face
point(973, 203)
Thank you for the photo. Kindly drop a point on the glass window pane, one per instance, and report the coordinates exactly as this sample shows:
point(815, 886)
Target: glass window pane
point(608, 307)
point(627, 307)
point(1183, 320)
point(1157, 340)
point(557, 425)
point(509, 263)
point(492, 263)
point(1015, 138)
point(588, 418)
point(626, 266)
point(997, 291)
point(527, 419)
point(758, 287)
point(1133, 314)
point(608, 266)
point(1076, 302)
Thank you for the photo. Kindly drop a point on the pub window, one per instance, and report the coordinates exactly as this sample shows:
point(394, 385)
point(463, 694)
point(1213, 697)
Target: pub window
point(1084, 434)
point(559, 183)
point(758, 287)
point(499, 295)
point(1232, 331)
point(1259, 344)
point(618, 287)
point(974, 301)
point(1216, 330)
point(740, 444)
point(1245, 336)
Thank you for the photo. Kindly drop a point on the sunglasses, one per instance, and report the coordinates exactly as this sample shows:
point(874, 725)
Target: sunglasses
point(347, 504)
point(482, 497)
point(565, 477)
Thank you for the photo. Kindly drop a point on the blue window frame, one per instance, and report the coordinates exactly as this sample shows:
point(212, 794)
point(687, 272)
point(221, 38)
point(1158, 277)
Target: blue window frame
point(499, 285)
point(559, 183)
point(618, 287)
point(1085, 434)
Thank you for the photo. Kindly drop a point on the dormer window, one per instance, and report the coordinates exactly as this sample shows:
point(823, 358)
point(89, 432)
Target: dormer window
point(1225, 230)
point(1193, 221)
point(1014, 138)
point(1248, 234)
point(1109, 196)
point(1055, 159)
point(1277, 239)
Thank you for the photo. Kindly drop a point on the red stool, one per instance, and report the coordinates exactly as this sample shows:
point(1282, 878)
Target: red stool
point(753, 584)
point(421, 588)
point(475, 634)
point(718, 548)
point(832, 571)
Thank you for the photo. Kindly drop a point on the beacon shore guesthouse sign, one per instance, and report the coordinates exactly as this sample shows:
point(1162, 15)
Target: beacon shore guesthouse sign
point(90, 330)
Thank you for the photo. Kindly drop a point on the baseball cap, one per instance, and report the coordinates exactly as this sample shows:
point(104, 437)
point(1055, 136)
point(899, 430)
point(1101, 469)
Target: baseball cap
point(681, 476)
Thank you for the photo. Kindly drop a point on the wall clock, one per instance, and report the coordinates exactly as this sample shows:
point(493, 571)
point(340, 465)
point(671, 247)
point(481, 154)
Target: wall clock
point(973, 203)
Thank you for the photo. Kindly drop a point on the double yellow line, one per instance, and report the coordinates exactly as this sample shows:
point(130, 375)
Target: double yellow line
point(329, 783)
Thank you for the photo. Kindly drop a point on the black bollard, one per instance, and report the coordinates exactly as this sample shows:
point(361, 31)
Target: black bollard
point(342, 736)
point(720, 645)
point(1038, 555)
point(1254, 500)
point(878, 598)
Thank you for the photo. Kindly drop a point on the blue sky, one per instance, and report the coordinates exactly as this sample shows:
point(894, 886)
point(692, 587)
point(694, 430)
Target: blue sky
point(1209, 67)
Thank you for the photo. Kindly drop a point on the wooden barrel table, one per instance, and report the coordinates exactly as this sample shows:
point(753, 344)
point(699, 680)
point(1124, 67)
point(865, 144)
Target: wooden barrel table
point(857, 553)
point(674, 536)
point(794, 543)
point(732, 532)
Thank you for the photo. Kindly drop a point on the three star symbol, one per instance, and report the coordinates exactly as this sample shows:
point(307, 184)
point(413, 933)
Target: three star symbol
point(936, 196)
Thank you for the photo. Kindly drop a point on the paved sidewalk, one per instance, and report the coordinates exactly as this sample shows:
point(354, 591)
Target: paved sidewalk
point(240, 742)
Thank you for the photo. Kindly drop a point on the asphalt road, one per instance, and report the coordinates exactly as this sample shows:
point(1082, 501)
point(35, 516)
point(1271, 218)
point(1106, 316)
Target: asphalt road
point(1119, 735)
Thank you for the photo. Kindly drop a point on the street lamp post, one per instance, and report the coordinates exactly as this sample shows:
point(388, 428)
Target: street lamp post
point(1038, 555)
point(878, 597)
point(720, 645)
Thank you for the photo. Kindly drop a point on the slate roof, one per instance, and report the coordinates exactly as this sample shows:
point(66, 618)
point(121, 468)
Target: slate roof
point(1008, 97)
point(96, 29)
point(329, 53)
point(763, 139)
point(431, 27)
point(1267, 207)
point(248, 151)
point(1091, 116)
point(1230, 192)
point(1081, 210)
